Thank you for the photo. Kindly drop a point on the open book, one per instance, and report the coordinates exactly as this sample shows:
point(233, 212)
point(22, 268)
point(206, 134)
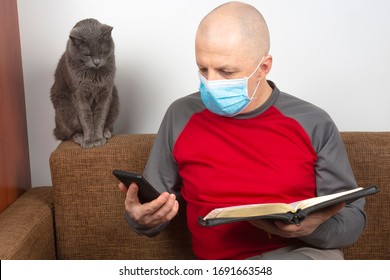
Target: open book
point(292, 213)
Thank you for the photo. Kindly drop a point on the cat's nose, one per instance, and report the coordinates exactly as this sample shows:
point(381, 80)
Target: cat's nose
point(96, 61)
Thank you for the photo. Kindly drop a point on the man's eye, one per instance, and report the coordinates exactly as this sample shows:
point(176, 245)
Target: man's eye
point(203, 71)
point(226, 73)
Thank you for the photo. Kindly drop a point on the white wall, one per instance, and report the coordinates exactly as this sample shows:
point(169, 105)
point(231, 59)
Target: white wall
point(335, 54)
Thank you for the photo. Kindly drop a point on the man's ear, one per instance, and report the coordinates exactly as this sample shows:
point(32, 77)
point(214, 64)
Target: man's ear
point(265, 67)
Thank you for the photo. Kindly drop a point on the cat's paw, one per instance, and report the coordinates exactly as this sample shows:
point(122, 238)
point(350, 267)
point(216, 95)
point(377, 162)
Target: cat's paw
point(78, 138)
point(88, 143)
point(107, 133)
point(100, 142)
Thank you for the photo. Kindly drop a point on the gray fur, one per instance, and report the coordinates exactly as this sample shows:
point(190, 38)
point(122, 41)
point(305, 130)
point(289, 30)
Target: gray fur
point(84, 96)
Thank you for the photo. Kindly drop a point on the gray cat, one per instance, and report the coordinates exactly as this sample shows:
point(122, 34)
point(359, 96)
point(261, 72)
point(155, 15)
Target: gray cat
point(84, 96)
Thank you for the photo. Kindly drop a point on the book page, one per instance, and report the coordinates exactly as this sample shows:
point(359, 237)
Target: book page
point(302, 204)
point(249, 210)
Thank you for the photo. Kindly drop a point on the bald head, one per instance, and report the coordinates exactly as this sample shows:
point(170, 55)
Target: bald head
point(239, 23)
point(232, 42)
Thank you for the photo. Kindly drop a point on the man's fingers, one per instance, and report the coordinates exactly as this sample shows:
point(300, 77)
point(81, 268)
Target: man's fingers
point(161, 206)
point(158, 211)
point(173, 211)
point(152, 213)
point(122, 188)
point(132, 194)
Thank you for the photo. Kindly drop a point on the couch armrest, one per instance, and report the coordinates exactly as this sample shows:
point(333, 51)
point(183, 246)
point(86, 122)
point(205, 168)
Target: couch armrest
point(27, 228)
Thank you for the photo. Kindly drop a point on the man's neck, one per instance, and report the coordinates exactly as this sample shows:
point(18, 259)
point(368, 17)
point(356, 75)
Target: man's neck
point(263, 93)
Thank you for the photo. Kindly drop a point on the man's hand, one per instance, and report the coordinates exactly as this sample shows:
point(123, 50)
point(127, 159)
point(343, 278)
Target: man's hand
point(150, 214)
point(307, 226)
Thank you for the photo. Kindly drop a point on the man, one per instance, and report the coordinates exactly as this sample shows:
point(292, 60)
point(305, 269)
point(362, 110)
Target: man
point(242, 141)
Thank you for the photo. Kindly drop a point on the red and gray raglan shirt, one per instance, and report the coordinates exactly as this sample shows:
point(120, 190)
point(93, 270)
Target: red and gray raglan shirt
point(284, 151)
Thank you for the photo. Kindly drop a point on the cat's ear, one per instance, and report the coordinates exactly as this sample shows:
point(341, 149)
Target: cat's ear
point(106, 31)
point(77, 41)
point(75, 36)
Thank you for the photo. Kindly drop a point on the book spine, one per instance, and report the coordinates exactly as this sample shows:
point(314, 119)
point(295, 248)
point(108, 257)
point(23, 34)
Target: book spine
point(297, 217)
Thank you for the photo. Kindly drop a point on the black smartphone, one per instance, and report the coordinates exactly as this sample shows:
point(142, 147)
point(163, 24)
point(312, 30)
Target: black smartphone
point(146, 191)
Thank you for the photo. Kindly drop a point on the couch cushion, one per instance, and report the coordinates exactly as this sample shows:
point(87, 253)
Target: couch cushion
point(369, 154)
point(89, 209)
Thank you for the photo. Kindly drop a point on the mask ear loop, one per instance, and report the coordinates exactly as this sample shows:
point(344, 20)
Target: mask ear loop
point(258, 83)
point(254, 92)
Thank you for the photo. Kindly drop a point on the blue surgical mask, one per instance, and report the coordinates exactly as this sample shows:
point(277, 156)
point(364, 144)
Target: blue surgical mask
point(227, 97)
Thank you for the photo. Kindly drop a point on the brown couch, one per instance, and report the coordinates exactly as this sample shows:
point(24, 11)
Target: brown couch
point(82, 215)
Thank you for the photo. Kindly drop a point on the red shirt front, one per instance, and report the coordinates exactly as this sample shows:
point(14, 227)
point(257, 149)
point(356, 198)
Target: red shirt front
point(227, 161)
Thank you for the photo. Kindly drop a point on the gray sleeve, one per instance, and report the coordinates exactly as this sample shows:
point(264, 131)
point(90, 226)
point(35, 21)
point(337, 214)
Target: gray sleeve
point(334, 174)
point(150, 232)
point(161, 169)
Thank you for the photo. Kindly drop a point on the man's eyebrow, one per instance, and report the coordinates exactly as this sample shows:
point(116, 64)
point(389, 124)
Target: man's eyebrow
point(224, 67)
point(200, 65)
point(228, 67)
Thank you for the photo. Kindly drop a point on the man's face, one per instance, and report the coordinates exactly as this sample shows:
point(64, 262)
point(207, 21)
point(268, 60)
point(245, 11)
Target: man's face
point(221, 57)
